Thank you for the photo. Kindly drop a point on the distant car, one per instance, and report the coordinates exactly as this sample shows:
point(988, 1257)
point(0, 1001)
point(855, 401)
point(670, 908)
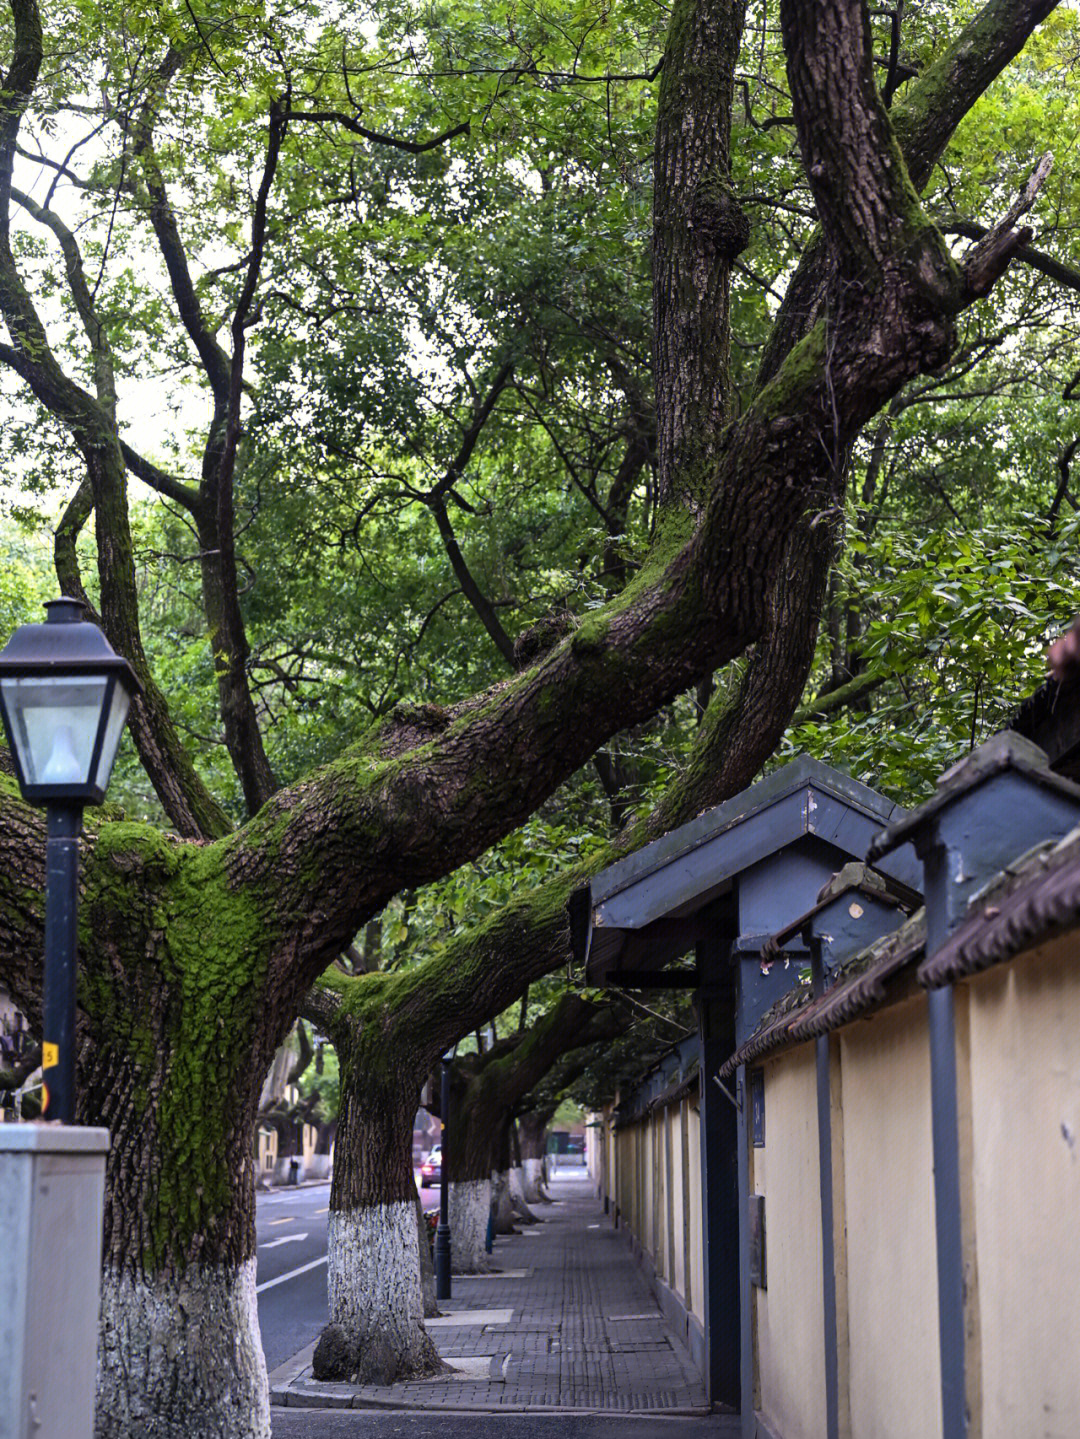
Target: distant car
point(431, 1169)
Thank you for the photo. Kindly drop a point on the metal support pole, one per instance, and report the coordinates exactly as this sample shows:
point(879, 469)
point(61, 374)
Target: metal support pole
point(442, 1233)
point(828, 1249)
point(747, 1417)
point(63, 827)
point(947, 1212)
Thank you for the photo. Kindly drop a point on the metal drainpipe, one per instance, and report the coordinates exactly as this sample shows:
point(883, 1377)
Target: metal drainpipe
point(748, 1420)
point(945, 1132)
point(944, 1117)
point(828, 1250)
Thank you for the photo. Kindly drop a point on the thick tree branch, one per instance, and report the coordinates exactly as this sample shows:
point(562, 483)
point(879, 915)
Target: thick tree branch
point(1054, 269)
point(924, 122)
point(350, 123)
point(839, 697)
point(939, 98)
point(165, 484)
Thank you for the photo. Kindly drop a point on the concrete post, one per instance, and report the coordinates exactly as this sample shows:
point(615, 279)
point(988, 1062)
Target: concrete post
point(52, 1178)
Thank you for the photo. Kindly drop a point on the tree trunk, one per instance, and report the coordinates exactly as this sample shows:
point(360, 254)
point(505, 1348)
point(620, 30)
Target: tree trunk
point(518, 1197)
point(181, 1357)
point(470, 1209)
point(505, 1217)
point(533, 1170)
point(427, 1264)
point(532, 1136)
point(376, 1332)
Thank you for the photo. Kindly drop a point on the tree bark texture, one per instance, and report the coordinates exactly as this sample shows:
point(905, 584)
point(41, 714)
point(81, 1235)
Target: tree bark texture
point(427, 1265)
point(470, 1209)
point(181, 1356)
point(698, 230)
point(376, 1304)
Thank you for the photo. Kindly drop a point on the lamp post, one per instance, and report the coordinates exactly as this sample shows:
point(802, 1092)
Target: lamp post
point(442, 1233)
point(64, 696)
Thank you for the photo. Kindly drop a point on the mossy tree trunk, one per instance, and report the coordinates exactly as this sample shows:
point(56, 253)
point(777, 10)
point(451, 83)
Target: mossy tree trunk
point(532, 1136)
point(196, 952)
point(491, 1086)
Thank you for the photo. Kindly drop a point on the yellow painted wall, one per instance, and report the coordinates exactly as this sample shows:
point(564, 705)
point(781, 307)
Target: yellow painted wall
point(646, 1199)
point(678, 1197)
point(1025, 1071)
point(889, 1201)
point(790, 1343)
point(697, 1263)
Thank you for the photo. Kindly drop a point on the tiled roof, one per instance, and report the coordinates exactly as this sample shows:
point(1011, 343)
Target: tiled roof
point(860, 985)
point(1032, 899)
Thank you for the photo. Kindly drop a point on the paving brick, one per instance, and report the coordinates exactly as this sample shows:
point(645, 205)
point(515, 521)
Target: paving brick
point(564, 1344)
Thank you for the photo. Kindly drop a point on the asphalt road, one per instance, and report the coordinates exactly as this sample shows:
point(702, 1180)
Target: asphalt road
point(287, 1423)
point(290, 1239)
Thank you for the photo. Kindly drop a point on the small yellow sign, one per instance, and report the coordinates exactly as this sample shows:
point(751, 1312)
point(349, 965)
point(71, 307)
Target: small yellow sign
point(45, 1096)
point(50, 1055)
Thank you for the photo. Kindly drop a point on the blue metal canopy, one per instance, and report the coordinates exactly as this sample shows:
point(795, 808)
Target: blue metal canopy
point(658, 903)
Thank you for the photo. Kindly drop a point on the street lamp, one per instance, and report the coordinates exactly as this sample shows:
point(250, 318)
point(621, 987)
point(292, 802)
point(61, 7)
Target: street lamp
point(442, 1233)
point(64, 696)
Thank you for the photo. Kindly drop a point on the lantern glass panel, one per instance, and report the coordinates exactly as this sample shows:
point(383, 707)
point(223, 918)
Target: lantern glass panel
point(54, 722)
point(114, 728)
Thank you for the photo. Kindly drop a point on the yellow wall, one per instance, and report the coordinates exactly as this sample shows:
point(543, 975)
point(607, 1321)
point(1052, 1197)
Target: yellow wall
point(654, 1206)
point(697, 1260)
point(889, 1202)
point(789, 1334)
point(1025, 1071)
point(678, 1199)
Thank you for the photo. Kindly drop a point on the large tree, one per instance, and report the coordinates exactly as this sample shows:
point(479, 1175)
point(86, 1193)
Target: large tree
point(199, 944)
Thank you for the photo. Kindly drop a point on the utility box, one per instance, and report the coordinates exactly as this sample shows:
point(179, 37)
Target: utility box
point(52, 1196)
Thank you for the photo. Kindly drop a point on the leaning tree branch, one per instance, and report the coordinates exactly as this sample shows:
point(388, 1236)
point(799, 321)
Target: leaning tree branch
point(987, 260)
point(1054, 269)
point(185, 495)
point(394, 142)
point(924, 122)
point(215, 361)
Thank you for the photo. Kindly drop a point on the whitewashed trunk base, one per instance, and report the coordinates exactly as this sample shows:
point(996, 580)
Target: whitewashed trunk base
point(504, 1209)
point(181, 1358)
point(374, 1291)
point(470, 1203)
point(427, 1264)
point(534, 1180)
point(517, 1196)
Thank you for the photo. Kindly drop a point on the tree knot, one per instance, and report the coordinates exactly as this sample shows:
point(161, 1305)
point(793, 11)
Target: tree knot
point(420, 716)
point(715, 214)
point(544, 635)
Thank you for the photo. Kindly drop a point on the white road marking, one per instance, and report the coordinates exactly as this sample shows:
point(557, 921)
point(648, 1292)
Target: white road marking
point(292, 1274)
point(285, 1239)
point(323, 1211)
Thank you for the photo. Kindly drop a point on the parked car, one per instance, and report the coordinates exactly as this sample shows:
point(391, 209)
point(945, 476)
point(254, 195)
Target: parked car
point(431, 1169)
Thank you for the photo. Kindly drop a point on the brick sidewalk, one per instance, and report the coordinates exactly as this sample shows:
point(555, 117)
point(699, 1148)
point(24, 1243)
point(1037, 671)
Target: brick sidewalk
point(568, 1324)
